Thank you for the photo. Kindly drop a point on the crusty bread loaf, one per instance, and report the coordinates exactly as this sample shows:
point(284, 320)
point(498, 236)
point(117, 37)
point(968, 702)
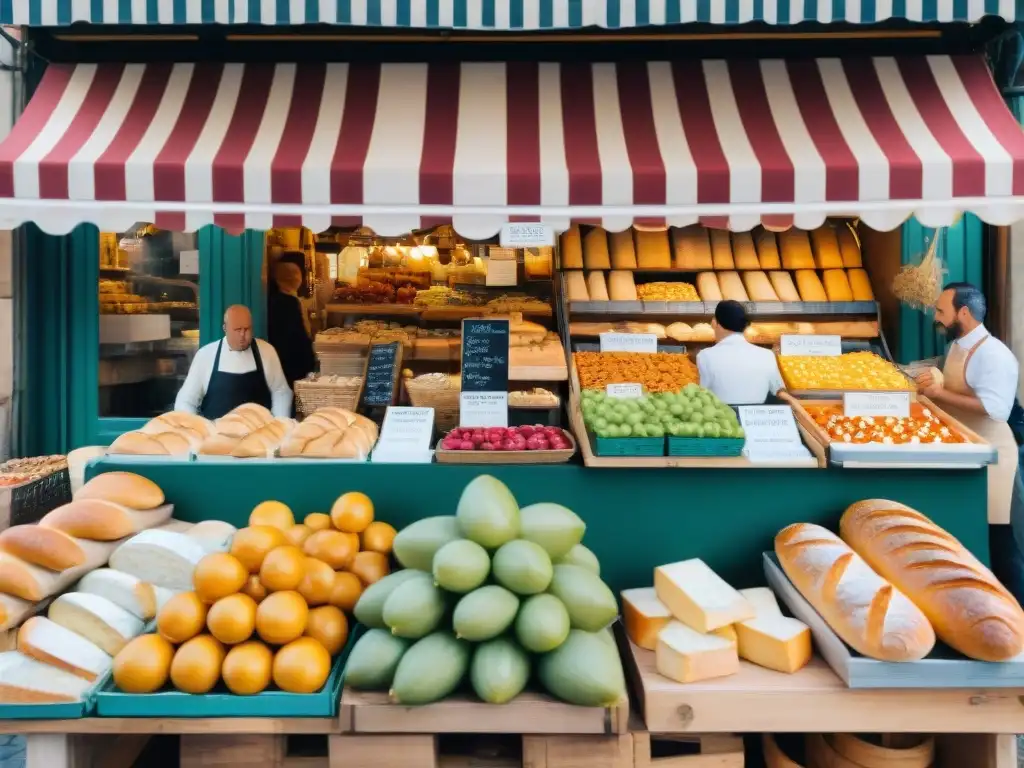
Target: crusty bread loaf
point(849, 247)
point(744, 253)
point(721, 249)
point(178, 420)
point(692, 248)
point(242, 420)
point(622, 252)
point(621, 286)
point(595, 249)
point(13, 610)
point(219, 445)
point(263, 442)
point(46, 641)
point(867, 612)
point(103, 520)
point(783, 285)
point(796, 249)
point(732, 286)
point(759, 287)
point(652, 249)
point(253, 409)
point(597, 287)
point(124, 488)
point(860, 285)
point(33, 583)
point(708, 287)
point(825, 247)
point(48, 547)
point(767, 249)
point(970, 610)
point(570, 248)
point(168, 443)
point(576, 285)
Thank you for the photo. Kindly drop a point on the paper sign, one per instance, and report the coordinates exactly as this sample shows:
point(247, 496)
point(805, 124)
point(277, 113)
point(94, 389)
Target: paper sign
point(501, 272)
point(483, 409)
point(771, 432)
point(629, 342)
point(624, 391)
point(405, 436)
point(188, 263)
point(896, 404)
point(526, 235)
point(811, 345)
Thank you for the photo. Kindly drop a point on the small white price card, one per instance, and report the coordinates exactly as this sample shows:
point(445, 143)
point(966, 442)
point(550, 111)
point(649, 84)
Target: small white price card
point(188, 263)
point(629, 342)
point(811, 345)
point(896, 404)
point(526, 235)
point(405, 436)
point(624, 391)
point(501, 272)
point(483, 409)
point(771, 433)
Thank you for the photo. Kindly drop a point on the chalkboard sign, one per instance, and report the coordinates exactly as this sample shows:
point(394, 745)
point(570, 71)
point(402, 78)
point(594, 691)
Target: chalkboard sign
point(485, 355)
point(382, 368)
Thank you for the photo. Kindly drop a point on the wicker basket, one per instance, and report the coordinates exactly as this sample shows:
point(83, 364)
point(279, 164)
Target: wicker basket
point(313, 395)
point(445, 403)
point(342, 363)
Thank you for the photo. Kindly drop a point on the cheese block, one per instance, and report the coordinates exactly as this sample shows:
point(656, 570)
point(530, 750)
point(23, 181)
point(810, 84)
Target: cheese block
point(124, 488)
point(23, 680)
point(49, 547)
point(596, 286)
point(33, 583)
point(692, 248)
point(825, 247)
point(96, 619)
point(595, 249)
point(652, 249)
point(687, 656)
point(161, 558)
point(810, 286)
point(570, 248)
point(763, 600)
point(744, 254)
point(726, 633)
point(50, 643)
point(623, 255)
point(767, 249)
point(849, 247)
point(103, 520)
point(782, 282)
point(837, 287)
point(708, 288)
point(795, 247)
point(123, 590)
point(721, 249)
point(13, 610)
point(732, 286)
point(576, 285)
point(759, 287)
point(775, 642)
point(644, 616)
point(698, 596)
point(621, 286)
point(860, 285)
point(213, 535)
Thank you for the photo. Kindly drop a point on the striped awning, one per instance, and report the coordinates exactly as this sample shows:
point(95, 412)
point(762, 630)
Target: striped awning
point(398, 147)
point(500, 15)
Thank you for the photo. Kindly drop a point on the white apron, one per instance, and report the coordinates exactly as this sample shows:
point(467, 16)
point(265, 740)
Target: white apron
point(998, 433)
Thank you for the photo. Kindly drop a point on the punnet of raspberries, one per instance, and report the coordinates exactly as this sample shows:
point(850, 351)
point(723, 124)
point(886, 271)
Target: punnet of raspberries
point(526, 438)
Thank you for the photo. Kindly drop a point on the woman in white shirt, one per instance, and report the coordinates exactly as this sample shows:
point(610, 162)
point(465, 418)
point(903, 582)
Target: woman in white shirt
point(738, 372)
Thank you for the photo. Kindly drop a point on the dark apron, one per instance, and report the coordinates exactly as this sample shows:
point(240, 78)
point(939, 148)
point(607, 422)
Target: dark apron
point(227, 391)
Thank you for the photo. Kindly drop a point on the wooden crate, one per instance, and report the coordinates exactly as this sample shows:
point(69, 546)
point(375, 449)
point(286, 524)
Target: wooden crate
point(274, 750)
point(652, 750)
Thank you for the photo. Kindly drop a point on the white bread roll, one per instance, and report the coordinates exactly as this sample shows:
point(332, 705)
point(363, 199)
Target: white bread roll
point(867, 612)
point(124, 488)
point(213, 535)
point(178, 420)
point(175, 443)
point(23, 680)
point(161, 558)
point(95, 618)
point(13, 610)
point(263, 442)
point(46, 641)
point(30, 582)
point(103, 520)
point(49, 547)
point(123, 590)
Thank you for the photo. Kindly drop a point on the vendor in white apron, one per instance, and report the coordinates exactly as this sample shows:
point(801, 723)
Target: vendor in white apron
point(978, 386)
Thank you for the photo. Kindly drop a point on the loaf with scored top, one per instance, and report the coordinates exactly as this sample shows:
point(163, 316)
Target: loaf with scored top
point(263, 442)
point(970, 610)
point(870, 614)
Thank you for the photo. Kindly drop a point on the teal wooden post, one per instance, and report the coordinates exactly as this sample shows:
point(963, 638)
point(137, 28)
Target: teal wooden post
point(230, 272)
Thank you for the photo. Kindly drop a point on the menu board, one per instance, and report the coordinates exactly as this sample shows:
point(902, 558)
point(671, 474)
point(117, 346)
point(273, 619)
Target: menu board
point(382, 367)
point(485, 345)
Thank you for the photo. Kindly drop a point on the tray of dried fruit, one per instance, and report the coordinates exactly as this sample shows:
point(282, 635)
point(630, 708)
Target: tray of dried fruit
point(929, 438)
point(530, 444)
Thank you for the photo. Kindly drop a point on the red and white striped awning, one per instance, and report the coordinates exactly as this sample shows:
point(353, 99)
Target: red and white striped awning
point(398, 147)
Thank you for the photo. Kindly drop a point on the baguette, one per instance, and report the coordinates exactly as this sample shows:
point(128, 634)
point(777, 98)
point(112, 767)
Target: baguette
point(124, 488)
point(595, 249)
point(970, 610)
point(571, 248)
point(50, 643)
point(721, 249)
point(867, 612)
point(652, 249)
point(743, 251)
point(23, 680)
point(623, 253)
point(767, 249)
point(48, 547)
point(103, 520)
point(219, 445)
point(692, 248)
point(708, 288)
point(32, 583)
point(849, 247)
point(160, 444)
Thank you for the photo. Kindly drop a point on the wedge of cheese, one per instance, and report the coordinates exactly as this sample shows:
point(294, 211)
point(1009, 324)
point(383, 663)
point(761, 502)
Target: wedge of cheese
point(570, 248)
point(744, 253)
point(687, 656)
point(763, 600)
point(775, 642)
point(644, 616)
point(692, 248)
point(767, 249)
point(727, 633)
point(699, 597)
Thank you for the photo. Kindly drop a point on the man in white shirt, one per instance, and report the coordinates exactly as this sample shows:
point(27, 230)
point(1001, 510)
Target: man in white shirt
point(236, 369)
point(977, 385)
point(738, 372)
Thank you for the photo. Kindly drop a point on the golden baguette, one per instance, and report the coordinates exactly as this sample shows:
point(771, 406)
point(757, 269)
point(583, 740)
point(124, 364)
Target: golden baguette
point(571, 248)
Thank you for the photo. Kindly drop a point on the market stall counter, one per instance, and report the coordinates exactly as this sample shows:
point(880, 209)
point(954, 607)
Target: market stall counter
point(636, 519)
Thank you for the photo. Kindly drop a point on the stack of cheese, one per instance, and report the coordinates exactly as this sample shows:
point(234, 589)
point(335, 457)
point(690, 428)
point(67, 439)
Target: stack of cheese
point(699, 627)
point(331, 433)
point(169, 434)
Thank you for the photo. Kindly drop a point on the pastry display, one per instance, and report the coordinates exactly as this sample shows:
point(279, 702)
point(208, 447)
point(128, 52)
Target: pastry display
point(656, 372)
point(849, 371)
point(921, 427)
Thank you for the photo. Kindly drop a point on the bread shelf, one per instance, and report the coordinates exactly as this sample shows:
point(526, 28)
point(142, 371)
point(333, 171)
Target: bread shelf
point(431, 314)
point(755, 309)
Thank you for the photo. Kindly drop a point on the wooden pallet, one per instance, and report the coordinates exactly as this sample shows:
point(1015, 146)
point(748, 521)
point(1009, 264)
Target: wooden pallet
point(717, 750)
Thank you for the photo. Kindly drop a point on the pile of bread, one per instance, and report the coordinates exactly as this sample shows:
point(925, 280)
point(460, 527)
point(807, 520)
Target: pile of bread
point(250, 431)
point(894, 580)
point(757, 333)
point(117, 518)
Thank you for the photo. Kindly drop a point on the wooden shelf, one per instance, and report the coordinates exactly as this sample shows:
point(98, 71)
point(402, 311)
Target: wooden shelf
point(435, 314)
point(155, 725)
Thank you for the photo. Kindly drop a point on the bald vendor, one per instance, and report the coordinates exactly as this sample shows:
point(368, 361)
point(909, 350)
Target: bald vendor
point(234, 370)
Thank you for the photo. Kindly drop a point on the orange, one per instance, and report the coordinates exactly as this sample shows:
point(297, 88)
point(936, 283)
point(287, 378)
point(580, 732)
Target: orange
point(346, 592)
point(218, 575)
point(318, 521)
point(378, 537)
point(333, 547)
point(318, 582)
point(182, 618)
point(297, 534)
point(328, 625)
point(272, 513)
point(281, 617)
point(352, 512)
point(254, 588)
point(370, 567)
point(233, 619)
point(250, 545)
point(283, 569)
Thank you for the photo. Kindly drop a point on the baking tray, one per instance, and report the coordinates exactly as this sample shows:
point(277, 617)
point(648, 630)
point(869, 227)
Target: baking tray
point(942, 668)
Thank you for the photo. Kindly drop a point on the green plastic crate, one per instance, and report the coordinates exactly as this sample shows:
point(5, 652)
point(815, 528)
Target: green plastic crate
point(220, 702)
point(628, 446)
point(68, 711)
point(705, 446)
